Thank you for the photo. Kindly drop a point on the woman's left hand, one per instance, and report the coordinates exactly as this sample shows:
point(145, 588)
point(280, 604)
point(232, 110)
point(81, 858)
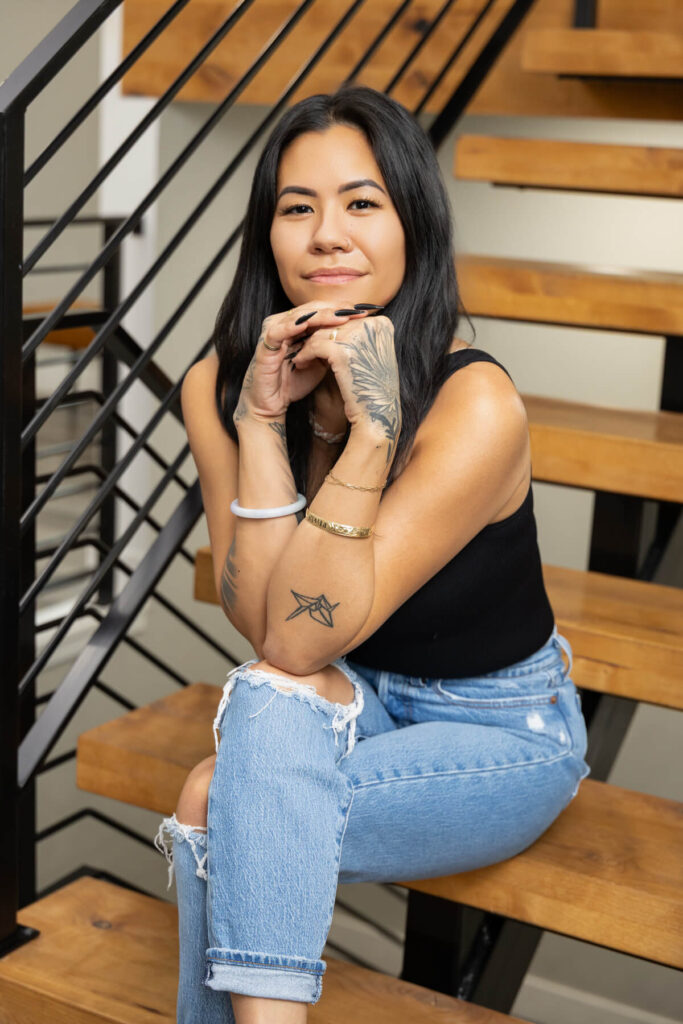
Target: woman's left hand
point(363, 360)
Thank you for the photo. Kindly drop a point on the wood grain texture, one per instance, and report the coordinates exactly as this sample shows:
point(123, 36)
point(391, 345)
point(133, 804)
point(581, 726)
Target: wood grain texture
point(607, 871)
point(507, 89)
point(577, 166)
point(621, 450)
point(125, 971)
point(143, 758)
point(579, 295)
point(626, 635)
point(511, 89)
point(166, 58)
point(604, 52)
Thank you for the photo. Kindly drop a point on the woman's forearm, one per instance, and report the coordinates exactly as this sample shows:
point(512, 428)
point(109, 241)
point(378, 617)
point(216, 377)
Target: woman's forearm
point(321, 591)
point(265, 480)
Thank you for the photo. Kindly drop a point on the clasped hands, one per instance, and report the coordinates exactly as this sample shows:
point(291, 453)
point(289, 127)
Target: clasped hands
point(361, 356)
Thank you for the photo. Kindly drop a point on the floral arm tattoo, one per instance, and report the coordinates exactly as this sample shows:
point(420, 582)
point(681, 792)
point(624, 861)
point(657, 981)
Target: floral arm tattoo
point(375, 380)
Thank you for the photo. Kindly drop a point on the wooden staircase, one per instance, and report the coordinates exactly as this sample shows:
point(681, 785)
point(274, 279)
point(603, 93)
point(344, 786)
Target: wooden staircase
point(108, 954)
point(608, 870)
point(600, 53)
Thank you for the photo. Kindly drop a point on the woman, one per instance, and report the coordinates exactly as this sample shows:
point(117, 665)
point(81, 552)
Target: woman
point(409, 714)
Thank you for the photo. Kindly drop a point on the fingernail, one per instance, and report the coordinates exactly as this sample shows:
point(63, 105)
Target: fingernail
point(294, 352)
point(344, 312)
point(367, 305)
point(306, 316)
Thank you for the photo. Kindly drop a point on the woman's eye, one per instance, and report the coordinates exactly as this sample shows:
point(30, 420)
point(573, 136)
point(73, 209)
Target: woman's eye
point(370, 202)
point(304, 206)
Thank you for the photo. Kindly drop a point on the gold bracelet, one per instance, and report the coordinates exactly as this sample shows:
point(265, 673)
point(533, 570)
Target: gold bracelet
point(339, 528)
point(356, 487)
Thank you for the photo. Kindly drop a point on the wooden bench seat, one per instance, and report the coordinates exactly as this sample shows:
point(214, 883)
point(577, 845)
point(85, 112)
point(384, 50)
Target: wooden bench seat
point(540, 291)
point(569, 165)
point(607, 871)
point(109, 954)
point(604, 53)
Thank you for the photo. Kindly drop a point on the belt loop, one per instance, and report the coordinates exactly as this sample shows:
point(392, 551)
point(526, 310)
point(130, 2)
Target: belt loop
point(566, 647)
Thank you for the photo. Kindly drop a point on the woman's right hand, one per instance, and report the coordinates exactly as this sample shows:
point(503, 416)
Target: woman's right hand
point(270, 385)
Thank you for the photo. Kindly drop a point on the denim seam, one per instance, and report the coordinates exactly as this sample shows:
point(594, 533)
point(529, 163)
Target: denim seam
point(464, 771)
point(269, 967)
point(340, 840)
point(497, 702)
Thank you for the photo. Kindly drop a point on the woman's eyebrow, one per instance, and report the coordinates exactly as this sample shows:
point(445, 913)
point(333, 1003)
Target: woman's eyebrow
point(342, 188)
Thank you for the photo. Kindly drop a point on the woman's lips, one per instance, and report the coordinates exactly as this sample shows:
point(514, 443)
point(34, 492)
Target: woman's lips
point(334, 278)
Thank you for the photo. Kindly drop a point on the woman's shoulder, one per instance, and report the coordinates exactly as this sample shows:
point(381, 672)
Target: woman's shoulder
point(481, 392)
point(199, 383)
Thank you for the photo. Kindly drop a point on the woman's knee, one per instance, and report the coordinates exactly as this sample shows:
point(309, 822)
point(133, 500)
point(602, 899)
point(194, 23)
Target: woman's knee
point(330, 682)
point(193, 801)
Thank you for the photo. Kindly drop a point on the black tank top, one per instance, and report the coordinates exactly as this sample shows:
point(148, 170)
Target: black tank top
point(484, 610)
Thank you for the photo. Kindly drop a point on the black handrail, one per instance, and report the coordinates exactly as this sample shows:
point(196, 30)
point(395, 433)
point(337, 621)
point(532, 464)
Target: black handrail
point(150, 117)
point(106, 488)
point(31, 594)
point(161, 387)
point(59, 711)
point(133, 219)
point(91, 103)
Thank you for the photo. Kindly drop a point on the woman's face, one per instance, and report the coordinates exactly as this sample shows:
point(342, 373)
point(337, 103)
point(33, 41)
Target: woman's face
point(317, 227)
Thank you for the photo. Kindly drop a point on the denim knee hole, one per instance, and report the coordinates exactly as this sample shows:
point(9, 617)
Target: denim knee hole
point(343, 713)
point(195, 835)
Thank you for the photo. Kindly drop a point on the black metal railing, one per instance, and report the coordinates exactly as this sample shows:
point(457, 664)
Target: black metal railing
point(26, 741)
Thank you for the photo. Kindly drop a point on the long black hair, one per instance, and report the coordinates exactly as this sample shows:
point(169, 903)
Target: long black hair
point(424, 311)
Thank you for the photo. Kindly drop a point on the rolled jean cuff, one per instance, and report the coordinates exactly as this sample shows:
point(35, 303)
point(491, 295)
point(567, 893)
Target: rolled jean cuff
point(263, 974)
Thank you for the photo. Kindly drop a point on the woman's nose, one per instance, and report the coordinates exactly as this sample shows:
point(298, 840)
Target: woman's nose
point(330, 233)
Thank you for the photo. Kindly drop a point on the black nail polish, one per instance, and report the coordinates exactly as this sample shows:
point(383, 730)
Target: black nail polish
point(367, 305)
point(290, 355)
point(306, 316)
point(344, 312)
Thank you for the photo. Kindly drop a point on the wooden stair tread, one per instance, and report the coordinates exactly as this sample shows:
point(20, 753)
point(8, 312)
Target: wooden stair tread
point(507, 89)
point(620, 450)
point(603, 52)
point(70, 337)
point(143, 758)
point(607, 871)
point(471, 25)
point(541, 291)
point(626, 635)
point(563, 164)
point(78, 971)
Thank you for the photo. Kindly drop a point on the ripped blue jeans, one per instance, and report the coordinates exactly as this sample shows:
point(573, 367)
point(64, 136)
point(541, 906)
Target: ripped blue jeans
point(416, 778)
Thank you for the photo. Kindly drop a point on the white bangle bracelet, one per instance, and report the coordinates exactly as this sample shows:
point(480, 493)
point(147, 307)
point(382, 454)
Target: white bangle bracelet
point(268, 513)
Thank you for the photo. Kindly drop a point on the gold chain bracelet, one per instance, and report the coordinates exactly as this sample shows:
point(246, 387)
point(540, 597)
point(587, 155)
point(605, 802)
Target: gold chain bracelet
point(356, 487)
point(341, 529)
